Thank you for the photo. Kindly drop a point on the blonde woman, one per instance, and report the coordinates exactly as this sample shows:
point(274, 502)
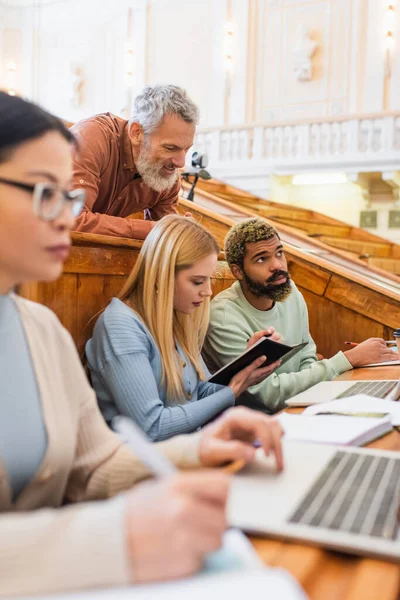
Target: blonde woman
point(54, 443)
point(144, 356)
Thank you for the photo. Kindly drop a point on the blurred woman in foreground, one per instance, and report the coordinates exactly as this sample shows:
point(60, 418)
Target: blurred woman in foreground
point(54, 443)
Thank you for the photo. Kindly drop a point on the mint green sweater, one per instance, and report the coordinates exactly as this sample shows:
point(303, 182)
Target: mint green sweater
point(233, 321)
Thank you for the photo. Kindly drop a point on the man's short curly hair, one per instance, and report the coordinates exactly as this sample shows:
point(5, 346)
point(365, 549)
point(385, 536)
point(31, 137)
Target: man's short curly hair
point(246, 232)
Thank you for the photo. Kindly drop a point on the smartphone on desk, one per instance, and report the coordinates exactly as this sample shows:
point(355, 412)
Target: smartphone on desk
point(265, 346)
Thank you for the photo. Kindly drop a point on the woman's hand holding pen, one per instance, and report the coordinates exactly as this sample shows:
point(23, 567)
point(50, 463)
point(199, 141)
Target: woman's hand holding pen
point(231, 437)
point(373, 350)
point(172, 523)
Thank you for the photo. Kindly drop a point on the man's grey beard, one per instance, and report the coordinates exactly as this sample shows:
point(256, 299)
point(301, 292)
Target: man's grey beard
point(150, 173)
point(275, 292)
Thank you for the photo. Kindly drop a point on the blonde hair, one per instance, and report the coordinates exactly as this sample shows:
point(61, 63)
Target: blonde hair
point(174, 244)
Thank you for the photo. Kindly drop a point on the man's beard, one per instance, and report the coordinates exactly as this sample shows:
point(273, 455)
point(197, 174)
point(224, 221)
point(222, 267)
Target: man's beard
point(150, 173)
point(275, 292)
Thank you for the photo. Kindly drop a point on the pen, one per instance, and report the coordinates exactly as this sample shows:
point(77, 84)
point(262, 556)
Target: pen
point(374, 415)
point(357, 343)
point(140, 446)
point(267, 335)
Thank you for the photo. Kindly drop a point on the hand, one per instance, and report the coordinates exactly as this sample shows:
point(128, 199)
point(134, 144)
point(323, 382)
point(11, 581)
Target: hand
point(173, 523)
point(231, 437)
point(373, 350)
point(251, 375)
point(189, 215)
point(270, 332)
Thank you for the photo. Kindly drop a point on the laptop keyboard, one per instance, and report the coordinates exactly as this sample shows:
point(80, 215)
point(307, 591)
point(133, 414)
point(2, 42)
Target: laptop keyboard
point(377, 389)
point(355, 493)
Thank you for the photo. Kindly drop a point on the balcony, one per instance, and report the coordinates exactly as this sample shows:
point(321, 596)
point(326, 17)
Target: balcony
point(357, 144)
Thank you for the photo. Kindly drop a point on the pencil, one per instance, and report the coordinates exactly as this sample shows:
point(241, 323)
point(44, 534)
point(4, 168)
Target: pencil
point(387, 342)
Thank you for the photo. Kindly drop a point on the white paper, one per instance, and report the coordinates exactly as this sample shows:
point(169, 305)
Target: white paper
point(331, 429)
point(261, 583)
point(387, 363)
point(360, 402)
point(236, 571)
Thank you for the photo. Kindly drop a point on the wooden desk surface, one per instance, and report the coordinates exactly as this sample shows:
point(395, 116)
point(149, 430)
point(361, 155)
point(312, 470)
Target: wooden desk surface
point(327, 575)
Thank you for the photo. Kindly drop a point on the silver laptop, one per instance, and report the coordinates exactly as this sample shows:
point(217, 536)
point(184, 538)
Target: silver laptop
point(333, 390)
point(342, 498)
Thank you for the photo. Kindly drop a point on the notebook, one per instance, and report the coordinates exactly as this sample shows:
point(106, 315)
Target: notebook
point(333, 429)
point(265, 346)
point(359, 404)
point(386, 363)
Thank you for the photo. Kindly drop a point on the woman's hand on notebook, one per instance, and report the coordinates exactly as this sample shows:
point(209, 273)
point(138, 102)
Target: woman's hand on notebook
point(232, 436)
point(270, 333)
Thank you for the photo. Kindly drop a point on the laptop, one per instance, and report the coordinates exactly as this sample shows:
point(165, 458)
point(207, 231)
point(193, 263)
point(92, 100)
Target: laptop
point(346, 499)
point(334, 390)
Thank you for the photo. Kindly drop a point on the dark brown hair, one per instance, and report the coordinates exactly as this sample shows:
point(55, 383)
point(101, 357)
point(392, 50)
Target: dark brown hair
point(21, 121)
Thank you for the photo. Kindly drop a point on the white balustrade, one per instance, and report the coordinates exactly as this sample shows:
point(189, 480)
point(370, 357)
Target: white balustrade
point(372, 140)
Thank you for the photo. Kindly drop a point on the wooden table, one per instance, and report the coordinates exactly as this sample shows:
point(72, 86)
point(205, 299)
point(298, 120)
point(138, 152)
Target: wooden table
point(326, 575)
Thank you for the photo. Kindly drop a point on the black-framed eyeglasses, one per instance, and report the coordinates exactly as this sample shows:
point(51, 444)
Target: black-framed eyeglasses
point(49, 199)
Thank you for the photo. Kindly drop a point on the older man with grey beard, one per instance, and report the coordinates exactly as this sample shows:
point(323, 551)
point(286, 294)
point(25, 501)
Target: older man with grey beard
point(130, 166)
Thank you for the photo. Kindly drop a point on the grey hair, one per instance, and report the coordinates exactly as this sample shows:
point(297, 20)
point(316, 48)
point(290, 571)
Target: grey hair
point(154, 103)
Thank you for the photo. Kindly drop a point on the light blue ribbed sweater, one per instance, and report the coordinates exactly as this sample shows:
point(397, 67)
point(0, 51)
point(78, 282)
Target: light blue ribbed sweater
point(126, 372)
point(23, 435)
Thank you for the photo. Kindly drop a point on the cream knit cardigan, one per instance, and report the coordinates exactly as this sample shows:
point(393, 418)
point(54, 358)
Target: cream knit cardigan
point(45, 548)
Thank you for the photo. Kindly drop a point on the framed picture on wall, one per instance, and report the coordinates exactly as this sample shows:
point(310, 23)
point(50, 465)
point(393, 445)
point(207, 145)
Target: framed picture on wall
point(369, 219)
point(394, 219)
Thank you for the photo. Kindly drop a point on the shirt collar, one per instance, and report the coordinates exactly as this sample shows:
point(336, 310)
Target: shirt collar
point(127, 156)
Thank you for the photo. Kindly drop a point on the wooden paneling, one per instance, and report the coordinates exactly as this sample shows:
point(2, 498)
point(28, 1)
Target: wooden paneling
point(331, 324)
point(100, 261)
point(364, 301)
point(93, 295)
point(315, 278)
point(92, 276)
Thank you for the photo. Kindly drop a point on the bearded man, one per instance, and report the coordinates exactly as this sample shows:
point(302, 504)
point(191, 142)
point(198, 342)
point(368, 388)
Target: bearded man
point(131, 166)
point(264, 299)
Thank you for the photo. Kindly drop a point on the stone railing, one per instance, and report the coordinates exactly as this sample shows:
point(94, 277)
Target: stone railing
point(360, 143)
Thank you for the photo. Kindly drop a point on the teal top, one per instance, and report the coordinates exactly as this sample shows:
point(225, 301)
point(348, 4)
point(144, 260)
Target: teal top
point(234, 320)
point(23, 437)
point(126, 372)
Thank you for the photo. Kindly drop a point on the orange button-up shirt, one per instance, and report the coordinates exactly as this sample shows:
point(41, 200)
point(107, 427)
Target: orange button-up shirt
point(104, 167)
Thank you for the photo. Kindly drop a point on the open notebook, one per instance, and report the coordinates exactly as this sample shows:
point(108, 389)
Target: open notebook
point(333, 429)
